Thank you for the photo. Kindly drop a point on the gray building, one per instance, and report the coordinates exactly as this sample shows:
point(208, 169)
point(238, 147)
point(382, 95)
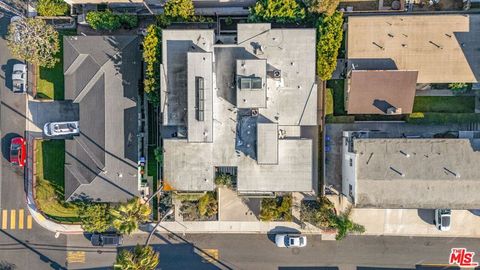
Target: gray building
point(411, 172)
point(246, 106)
point(101, 76)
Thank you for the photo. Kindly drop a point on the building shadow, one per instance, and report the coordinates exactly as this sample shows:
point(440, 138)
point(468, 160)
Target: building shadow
point(427, 215)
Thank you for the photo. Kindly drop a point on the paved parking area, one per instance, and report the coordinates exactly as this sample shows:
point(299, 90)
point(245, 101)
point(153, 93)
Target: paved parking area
point(39, 113)
point(333, 141)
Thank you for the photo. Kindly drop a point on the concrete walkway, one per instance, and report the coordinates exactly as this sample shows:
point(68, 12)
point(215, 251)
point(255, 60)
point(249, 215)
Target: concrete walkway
point(413, 222)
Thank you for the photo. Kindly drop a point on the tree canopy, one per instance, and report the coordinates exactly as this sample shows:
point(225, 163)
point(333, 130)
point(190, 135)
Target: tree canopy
point(330, 34)
point(179, 9)
point(127, 216)
point(276, 11)
point(34, 41)
point(52, 7)
point(103, 20)
point(96, 218)
point(327, 7)
point(345, 225)
point(141, 258)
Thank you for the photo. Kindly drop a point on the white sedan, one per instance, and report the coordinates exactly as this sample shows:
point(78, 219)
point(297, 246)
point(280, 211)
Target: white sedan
point(19, 78)
point(290, 241)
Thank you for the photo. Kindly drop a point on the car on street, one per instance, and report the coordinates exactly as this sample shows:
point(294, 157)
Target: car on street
point(443, 219)
point(19, 78)
point(290, 241)
point(18, 151)
point(106, 239)
point(61, 128)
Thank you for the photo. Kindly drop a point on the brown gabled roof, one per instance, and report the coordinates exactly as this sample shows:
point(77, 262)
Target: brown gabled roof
point(375, 91)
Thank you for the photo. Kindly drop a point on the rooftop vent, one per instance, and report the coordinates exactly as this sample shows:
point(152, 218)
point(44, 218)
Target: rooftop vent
point(394, 111)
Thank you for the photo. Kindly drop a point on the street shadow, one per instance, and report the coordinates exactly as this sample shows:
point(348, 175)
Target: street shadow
point(182, 256)
point(427, 215)
point(53, 264)
point(6, 144)
point(280, 230)
point(7, 72)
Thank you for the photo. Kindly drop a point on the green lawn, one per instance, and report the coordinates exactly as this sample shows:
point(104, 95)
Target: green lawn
point(454, 104)
point(50, 160)
point(442, 118)
point(50, 83)
point(329, 102)
point(338, 92)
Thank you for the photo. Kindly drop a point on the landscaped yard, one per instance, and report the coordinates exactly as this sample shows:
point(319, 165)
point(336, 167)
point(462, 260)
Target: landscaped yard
point(454, 104)
point(49, 160)
point(338, 92)
point(50, 80)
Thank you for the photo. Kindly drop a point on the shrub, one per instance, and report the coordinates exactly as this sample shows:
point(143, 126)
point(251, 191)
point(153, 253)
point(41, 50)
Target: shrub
point(224, 179)
point(345, 225)
point(276, 209)
point(179, 9)
point(276, 11)
point(103, 20)
point(319, 213)
point(457, 86)
point(330, 35)
point(52, 7)
point(158, 152)
point(151, 53)
point(163, 21)
point(128, 21)
point(207, 205)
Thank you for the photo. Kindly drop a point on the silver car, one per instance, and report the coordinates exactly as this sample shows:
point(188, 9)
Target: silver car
point(61, 128)
point(19, 78)
point(290, 241)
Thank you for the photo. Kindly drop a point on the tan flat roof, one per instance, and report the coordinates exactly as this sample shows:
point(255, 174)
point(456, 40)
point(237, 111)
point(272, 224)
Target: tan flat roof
point(443, 48)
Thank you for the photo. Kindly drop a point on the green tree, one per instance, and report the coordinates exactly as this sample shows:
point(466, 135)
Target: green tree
point(141, 258)
point(328, 7)
point(330, 34)
point(182, 10)
point(276, 11)
point(128, 21)
point(127, 216)
point(276, 209)
point(345, 225)
point(319, 213)
point(34, 41)
point(52, 7)
point(96, 218)
point(103, 20)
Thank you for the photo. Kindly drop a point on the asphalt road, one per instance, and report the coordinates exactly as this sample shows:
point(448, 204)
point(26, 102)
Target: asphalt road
point(22, 242)
point(224, 251)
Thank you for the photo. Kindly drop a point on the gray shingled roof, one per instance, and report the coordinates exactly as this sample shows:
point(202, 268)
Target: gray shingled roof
point(102, 75)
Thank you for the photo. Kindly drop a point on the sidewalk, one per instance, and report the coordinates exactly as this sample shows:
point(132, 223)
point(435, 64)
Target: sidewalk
point(413, 222)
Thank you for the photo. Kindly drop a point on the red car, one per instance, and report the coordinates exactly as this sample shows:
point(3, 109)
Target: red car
point(18, 151)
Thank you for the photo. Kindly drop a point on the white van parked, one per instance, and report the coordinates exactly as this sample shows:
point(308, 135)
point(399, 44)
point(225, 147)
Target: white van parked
point(61, 128)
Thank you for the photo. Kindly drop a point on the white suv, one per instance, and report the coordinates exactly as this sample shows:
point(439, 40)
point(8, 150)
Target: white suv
point(61, 128)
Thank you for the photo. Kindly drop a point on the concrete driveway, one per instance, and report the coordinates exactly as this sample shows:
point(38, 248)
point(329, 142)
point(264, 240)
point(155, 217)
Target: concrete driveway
point(415, 222)
point(43, 112)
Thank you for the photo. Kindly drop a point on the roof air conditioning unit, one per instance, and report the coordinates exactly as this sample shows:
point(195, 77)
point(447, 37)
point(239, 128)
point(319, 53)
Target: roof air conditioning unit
point(394, 111)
